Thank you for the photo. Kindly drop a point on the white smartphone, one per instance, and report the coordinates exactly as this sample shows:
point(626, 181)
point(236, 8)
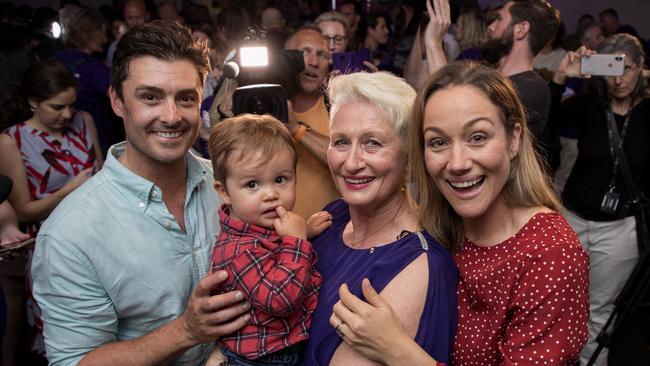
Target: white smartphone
point(603, 65)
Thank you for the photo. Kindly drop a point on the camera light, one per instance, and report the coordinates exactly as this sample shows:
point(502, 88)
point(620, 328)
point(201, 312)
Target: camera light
point(254, 56)
point(56, 30)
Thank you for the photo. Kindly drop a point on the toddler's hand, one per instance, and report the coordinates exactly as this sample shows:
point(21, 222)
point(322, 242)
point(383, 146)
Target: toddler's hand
point(317, 223)
point(288, 223)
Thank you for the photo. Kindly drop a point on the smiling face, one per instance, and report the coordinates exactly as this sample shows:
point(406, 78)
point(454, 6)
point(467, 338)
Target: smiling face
point(53, 114)
point(255, 187)
point(316, 56)
point(466, 150)
point(366, 157)
point(160, 109)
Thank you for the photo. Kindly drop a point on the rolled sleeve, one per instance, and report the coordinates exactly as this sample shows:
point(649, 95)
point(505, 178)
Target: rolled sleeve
point(78, 315)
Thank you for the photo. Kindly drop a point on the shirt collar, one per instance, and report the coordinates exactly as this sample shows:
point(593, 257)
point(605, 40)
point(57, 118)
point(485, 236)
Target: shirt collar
point(139, 189)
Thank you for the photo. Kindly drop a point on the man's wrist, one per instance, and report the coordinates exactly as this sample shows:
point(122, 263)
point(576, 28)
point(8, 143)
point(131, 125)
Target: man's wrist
point(301, 130)
point(178, 330)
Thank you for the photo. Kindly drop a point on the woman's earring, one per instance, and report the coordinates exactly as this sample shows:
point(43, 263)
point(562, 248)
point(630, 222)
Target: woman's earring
point(32, 108)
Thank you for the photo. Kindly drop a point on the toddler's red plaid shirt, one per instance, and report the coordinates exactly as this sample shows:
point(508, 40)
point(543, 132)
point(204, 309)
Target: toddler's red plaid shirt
point(277, 276)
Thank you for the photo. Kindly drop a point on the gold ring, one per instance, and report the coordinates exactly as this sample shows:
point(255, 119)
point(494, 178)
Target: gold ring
point(338, 328)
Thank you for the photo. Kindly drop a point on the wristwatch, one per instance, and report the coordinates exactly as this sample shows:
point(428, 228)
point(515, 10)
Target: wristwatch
point(302, 128)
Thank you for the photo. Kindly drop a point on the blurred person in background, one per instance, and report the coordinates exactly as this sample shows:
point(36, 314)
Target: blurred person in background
point(86, 36)
point(573, 40)
point(135, 13)
point(548, 59)
point(47, 156)
point(470, 32)
point(167, 11)
point(376, 37)
point(335, 29)
point(608, 235)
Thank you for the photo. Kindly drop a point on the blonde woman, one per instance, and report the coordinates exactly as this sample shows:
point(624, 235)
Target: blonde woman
point(375, 230)
point(522, 293)
point(470, 32)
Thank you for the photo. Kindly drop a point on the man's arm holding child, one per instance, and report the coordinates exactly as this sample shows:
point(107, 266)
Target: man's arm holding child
point(83, 328)
point(206, 319)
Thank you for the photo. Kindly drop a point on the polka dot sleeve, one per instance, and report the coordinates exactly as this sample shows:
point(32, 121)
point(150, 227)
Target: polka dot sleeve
point(548, 309)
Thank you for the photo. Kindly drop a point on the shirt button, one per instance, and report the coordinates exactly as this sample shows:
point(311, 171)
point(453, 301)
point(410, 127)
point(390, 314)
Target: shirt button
point(167, 224)
point(141, 204)
point(154, 195)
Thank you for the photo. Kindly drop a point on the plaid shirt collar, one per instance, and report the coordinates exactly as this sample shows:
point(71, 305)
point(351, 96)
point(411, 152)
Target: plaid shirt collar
point(240, 228)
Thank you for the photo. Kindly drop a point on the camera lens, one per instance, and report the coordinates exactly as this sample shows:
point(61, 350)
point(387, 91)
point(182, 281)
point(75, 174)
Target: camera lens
point(259, 104)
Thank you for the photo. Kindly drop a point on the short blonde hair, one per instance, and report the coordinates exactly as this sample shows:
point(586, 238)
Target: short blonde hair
point(527, 184)
point(248, 134)
point(391, 94)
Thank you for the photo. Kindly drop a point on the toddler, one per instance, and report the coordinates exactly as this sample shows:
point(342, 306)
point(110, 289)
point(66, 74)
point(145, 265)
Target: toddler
point(262, 244)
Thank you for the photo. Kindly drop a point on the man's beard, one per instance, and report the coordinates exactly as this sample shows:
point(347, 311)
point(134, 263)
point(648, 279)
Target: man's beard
point(493, 49)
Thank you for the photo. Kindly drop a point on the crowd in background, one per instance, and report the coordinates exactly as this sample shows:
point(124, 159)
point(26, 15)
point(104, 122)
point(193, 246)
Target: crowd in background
point(393, 32)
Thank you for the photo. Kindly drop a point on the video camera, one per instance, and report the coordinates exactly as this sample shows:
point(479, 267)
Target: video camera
point(260, 75)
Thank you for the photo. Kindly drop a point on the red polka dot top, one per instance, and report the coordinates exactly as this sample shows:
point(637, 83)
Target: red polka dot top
point(525, 300)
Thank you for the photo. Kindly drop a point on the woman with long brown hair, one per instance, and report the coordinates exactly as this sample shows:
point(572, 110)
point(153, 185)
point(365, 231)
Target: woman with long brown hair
point(522, 293)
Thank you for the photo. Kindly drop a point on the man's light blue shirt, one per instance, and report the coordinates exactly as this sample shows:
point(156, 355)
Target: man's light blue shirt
point(112, 264)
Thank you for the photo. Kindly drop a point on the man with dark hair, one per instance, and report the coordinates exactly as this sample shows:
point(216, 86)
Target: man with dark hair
point(120, 266)
point(521, 28)
point(591, 37)
point(611, 25)
point(351, 10)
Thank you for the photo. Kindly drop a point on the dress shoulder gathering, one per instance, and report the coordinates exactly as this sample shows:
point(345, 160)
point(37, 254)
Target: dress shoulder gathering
point(536, 282)
point(340, 264)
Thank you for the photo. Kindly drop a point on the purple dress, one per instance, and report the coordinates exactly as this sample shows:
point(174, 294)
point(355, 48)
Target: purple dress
point(340, 264)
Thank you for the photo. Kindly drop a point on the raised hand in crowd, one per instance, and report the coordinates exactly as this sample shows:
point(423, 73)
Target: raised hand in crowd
point(570, 65)
point(439, 22)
